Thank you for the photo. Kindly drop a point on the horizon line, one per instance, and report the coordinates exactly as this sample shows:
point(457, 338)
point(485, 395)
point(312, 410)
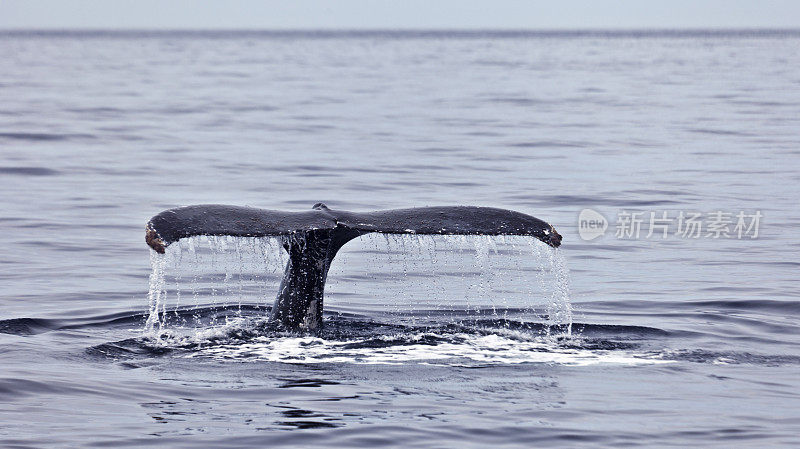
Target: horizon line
point(712, 29)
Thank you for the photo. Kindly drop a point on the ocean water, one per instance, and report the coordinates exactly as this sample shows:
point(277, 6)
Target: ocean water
point(430, 342)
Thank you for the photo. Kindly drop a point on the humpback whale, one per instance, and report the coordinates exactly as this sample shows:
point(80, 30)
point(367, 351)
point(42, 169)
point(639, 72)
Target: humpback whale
point(313, 238)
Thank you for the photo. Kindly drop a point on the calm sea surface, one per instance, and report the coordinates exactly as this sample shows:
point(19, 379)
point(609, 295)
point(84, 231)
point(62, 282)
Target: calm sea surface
point(674, 341)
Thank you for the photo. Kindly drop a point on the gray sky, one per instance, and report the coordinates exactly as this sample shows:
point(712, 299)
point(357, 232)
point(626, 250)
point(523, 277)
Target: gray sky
point(283, 14)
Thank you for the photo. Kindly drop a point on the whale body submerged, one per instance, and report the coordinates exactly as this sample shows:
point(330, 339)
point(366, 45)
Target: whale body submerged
point(313, 238)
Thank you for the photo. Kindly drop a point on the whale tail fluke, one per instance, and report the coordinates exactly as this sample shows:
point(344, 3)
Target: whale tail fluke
point(313, 238)
point(215, 219)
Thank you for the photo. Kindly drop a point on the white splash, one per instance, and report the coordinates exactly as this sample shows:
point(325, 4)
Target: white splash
point(458, 349)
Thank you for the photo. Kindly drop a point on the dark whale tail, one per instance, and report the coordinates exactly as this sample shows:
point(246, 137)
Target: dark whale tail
point(313, 238)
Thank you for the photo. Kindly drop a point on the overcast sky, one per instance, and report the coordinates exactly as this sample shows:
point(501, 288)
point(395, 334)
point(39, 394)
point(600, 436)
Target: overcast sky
point(463, 14)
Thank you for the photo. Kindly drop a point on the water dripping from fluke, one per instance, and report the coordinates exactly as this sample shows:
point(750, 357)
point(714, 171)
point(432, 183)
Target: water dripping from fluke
point(239, 271)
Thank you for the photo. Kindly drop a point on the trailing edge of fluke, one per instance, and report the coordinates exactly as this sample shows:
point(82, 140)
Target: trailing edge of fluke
point(313, 238)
